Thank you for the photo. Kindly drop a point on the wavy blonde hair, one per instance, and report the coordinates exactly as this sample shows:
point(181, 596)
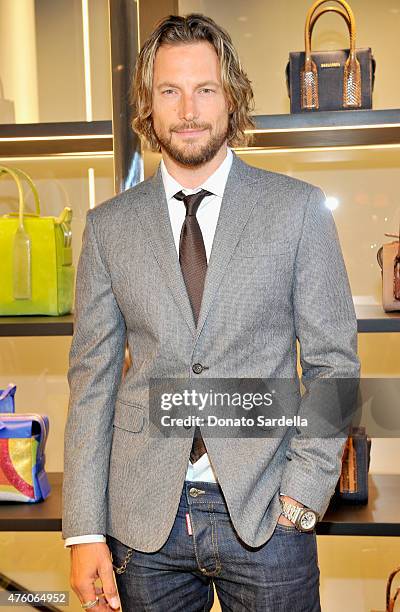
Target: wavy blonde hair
point(236, 85)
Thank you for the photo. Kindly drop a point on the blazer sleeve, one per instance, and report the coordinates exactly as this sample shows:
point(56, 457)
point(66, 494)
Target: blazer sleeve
point(94, 374)
point(326, 328)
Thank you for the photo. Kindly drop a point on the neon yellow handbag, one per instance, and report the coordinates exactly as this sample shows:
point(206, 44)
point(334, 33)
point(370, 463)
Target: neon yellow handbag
point(36, 271)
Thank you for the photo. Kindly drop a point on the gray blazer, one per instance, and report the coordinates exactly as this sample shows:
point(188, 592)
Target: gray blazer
point(276, 273)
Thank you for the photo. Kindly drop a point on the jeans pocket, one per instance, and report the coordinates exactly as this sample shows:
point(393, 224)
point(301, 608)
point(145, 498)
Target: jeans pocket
point(286, 528)
point(289, 529)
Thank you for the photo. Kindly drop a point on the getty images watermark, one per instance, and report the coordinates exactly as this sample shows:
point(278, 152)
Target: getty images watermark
point(251, 407)
point(203, 401)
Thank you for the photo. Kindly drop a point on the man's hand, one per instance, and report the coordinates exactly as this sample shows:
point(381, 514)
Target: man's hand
point(89, 562)
point(282, 519)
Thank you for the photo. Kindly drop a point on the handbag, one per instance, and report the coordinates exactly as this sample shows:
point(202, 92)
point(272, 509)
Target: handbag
point(36, 271)
point(7, 114)
point(352, 486)
point(22, 458)
point(7, 402)
point(388, 257)
point(330, 80)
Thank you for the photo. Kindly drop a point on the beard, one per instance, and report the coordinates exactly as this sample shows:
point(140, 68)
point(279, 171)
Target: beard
point(190, 153)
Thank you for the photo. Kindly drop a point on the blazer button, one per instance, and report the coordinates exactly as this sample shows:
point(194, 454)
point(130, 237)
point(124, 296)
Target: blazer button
point(197, 368)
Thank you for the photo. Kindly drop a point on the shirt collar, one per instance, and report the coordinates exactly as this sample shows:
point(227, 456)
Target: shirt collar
point(215, 183)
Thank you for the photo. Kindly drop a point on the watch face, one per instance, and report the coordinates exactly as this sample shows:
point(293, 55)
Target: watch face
point(308, 520)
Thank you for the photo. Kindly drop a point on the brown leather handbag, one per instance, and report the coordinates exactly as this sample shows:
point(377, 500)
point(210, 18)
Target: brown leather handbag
point(330, 80)
point(388, 258)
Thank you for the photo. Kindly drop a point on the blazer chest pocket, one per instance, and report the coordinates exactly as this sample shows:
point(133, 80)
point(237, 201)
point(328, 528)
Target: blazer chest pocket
point(262, 248)
point(128, 416)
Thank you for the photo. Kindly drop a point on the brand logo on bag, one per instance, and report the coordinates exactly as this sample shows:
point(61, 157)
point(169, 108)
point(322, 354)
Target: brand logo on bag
point(331, 65)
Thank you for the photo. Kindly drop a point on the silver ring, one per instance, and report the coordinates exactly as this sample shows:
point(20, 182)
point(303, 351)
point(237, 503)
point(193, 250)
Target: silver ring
point(90, 604)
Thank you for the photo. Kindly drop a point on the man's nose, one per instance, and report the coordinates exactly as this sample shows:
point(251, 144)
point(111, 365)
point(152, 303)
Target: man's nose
point(188, 107)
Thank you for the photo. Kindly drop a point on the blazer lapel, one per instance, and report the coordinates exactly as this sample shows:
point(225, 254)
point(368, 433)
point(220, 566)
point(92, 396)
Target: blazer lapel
point(154, 216)
point(239, 198)
point(240, 195)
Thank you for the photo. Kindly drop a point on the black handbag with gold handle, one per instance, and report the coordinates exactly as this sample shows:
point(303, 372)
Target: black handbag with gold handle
point(330, 80)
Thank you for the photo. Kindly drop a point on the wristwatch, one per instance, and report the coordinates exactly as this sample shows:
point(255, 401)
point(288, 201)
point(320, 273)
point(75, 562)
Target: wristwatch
point(304, 519)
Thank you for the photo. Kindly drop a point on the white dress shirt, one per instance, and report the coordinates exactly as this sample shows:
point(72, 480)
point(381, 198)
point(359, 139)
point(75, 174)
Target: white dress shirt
point(207, 216)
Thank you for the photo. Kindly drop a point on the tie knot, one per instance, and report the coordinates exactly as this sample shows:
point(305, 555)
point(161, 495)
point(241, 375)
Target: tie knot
point(192, 201)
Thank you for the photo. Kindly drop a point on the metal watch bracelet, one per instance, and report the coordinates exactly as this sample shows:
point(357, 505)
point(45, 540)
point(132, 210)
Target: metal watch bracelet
point(291, 511)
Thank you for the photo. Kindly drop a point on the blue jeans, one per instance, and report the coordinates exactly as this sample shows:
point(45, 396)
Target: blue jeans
point(203, 549)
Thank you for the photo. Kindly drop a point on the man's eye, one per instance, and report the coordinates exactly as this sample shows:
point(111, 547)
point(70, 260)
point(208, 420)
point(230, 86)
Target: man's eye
point(207, 90)
point(168, 91)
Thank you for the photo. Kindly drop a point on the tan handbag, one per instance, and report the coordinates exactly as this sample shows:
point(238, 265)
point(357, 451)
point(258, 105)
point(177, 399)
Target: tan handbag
point(388, 258)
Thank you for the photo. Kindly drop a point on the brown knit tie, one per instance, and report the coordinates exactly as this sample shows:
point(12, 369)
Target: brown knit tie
point(193, 260)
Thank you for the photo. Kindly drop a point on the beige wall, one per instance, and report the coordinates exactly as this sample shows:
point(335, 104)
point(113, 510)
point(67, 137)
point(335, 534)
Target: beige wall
point(41, 59)
point(18, 59)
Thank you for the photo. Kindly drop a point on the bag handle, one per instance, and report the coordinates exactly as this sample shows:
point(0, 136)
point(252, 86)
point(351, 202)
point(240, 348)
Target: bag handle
point(379, 254)
point(329, 9)
point(390, 601)
point(4, 170)
point(352, 70)
point(9, 392)
point(22, 289)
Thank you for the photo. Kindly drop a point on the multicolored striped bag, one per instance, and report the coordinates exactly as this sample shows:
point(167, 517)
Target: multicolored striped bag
point(22, 458)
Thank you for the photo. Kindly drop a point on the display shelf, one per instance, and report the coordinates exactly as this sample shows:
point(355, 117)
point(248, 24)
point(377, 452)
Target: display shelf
point(373, 319)
point(37, 326)
point(304, 130)
point(40, 516)
point(326, 129)
point(72, 137)
point(381, 517)
point(10, 585)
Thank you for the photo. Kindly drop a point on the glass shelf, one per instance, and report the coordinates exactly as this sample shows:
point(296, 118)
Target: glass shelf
point(366, 128)
point(69, 137)
point(327, 129)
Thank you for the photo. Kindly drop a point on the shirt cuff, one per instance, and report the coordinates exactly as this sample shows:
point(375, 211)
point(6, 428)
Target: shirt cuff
point(84, 539)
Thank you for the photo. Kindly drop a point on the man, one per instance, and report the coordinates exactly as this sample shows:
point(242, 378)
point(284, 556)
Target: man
point(259, 265)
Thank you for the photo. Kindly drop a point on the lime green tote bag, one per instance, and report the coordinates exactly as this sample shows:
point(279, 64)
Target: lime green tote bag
point(36, 271)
